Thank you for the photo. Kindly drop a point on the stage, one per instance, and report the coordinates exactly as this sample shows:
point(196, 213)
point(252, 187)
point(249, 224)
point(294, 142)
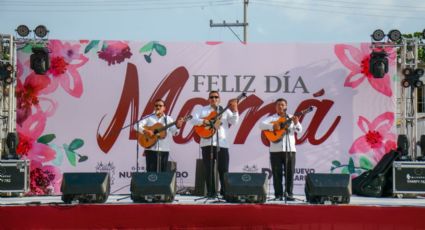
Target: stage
point(119, 212)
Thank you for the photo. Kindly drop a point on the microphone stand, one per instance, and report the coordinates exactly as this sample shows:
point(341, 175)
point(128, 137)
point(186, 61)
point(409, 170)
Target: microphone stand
point(137, 144)
point(286, 163)
point(285, 194)
point(212, 168)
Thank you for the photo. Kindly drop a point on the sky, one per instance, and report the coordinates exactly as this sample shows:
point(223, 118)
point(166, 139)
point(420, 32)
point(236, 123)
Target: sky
point(270, 21)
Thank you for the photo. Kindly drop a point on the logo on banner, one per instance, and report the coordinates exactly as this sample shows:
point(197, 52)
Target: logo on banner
point(108, 168)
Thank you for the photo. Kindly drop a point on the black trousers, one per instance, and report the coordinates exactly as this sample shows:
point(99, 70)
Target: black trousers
point(222, 158)
point(287, 159)
point(152, 159)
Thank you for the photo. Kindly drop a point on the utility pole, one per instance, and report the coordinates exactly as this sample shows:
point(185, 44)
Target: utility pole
point(237, 24)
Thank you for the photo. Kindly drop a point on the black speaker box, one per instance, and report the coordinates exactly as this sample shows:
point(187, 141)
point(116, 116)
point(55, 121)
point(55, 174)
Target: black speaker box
point(322, 188)
point(86, 187)
point(200, 185)
point(245, 187)
point(153, 187)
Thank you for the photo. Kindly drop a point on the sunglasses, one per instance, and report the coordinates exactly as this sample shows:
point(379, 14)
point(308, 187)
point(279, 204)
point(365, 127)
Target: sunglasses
point(159, 105)
point(214, 97)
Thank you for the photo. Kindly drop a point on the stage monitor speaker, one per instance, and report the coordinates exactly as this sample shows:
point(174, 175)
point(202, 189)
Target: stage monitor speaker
point(153, 187)
point(321, 188)
point(86, 187)
point(245, 187)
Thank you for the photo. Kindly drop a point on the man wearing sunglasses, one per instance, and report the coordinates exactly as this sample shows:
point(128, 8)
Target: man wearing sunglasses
point(282, 151)
point(215, 148)
point(161, 148)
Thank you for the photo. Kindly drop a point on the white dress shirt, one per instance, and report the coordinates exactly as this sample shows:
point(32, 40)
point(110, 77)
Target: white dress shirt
point(227, 118)
point(287, 144)
point(161, 144)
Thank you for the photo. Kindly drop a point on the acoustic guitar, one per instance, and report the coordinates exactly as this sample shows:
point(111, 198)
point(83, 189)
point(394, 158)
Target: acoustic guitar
point(208, 130)
point(159, 132)
point(277, 135)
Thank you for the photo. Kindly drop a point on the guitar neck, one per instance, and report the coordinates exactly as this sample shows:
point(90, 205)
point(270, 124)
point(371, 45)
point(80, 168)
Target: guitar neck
point(242, 95)
point(289, 120)
point(220, 113)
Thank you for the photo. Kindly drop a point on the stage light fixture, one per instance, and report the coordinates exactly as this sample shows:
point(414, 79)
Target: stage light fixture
point(419, 72)
point(408, 71)
point(41, 31)
point(419, 84)
point(405, 83)
point(12, 143)
point(23, 30)
point(6, 70)
point(378, 35)
point(378, 64)
point(411, 77)
point(394, 35)
point(39, 60)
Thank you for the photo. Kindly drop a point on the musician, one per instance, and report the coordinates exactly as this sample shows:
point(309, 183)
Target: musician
point(283, 151)
point(162, 146)
point(220, 149)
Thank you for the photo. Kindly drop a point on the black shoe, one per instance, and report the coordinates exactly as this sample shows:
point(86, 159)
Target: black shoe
point(290, 198)
point(212, 195)
point(278, 197)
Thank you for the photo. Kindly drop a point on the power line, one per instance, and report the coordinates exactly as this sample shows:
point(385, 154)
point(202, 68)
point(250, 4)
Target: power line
point(347, 7)
point(114, 9)
point(287, 6)
point(357, 3)
point(110, 2)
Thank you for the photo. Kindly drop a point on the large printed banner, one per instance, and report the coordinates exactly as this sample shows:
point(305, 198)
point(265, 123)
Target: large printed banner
point(78, 116)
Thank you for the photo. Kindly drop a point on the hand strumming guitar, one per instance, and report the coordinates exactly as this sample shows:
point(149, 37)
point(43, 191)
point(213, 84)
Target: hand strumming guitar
point(148, 132)
point(277, 125)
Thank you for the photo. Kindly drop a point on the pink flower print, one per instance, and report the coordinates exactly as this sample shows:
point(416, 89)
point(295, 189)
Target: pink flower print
point(114, 52)
point(44, 180)
point(377, 136)
point(65, 61)
point(27, 95)
point(28, 133)
point(357, 61)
